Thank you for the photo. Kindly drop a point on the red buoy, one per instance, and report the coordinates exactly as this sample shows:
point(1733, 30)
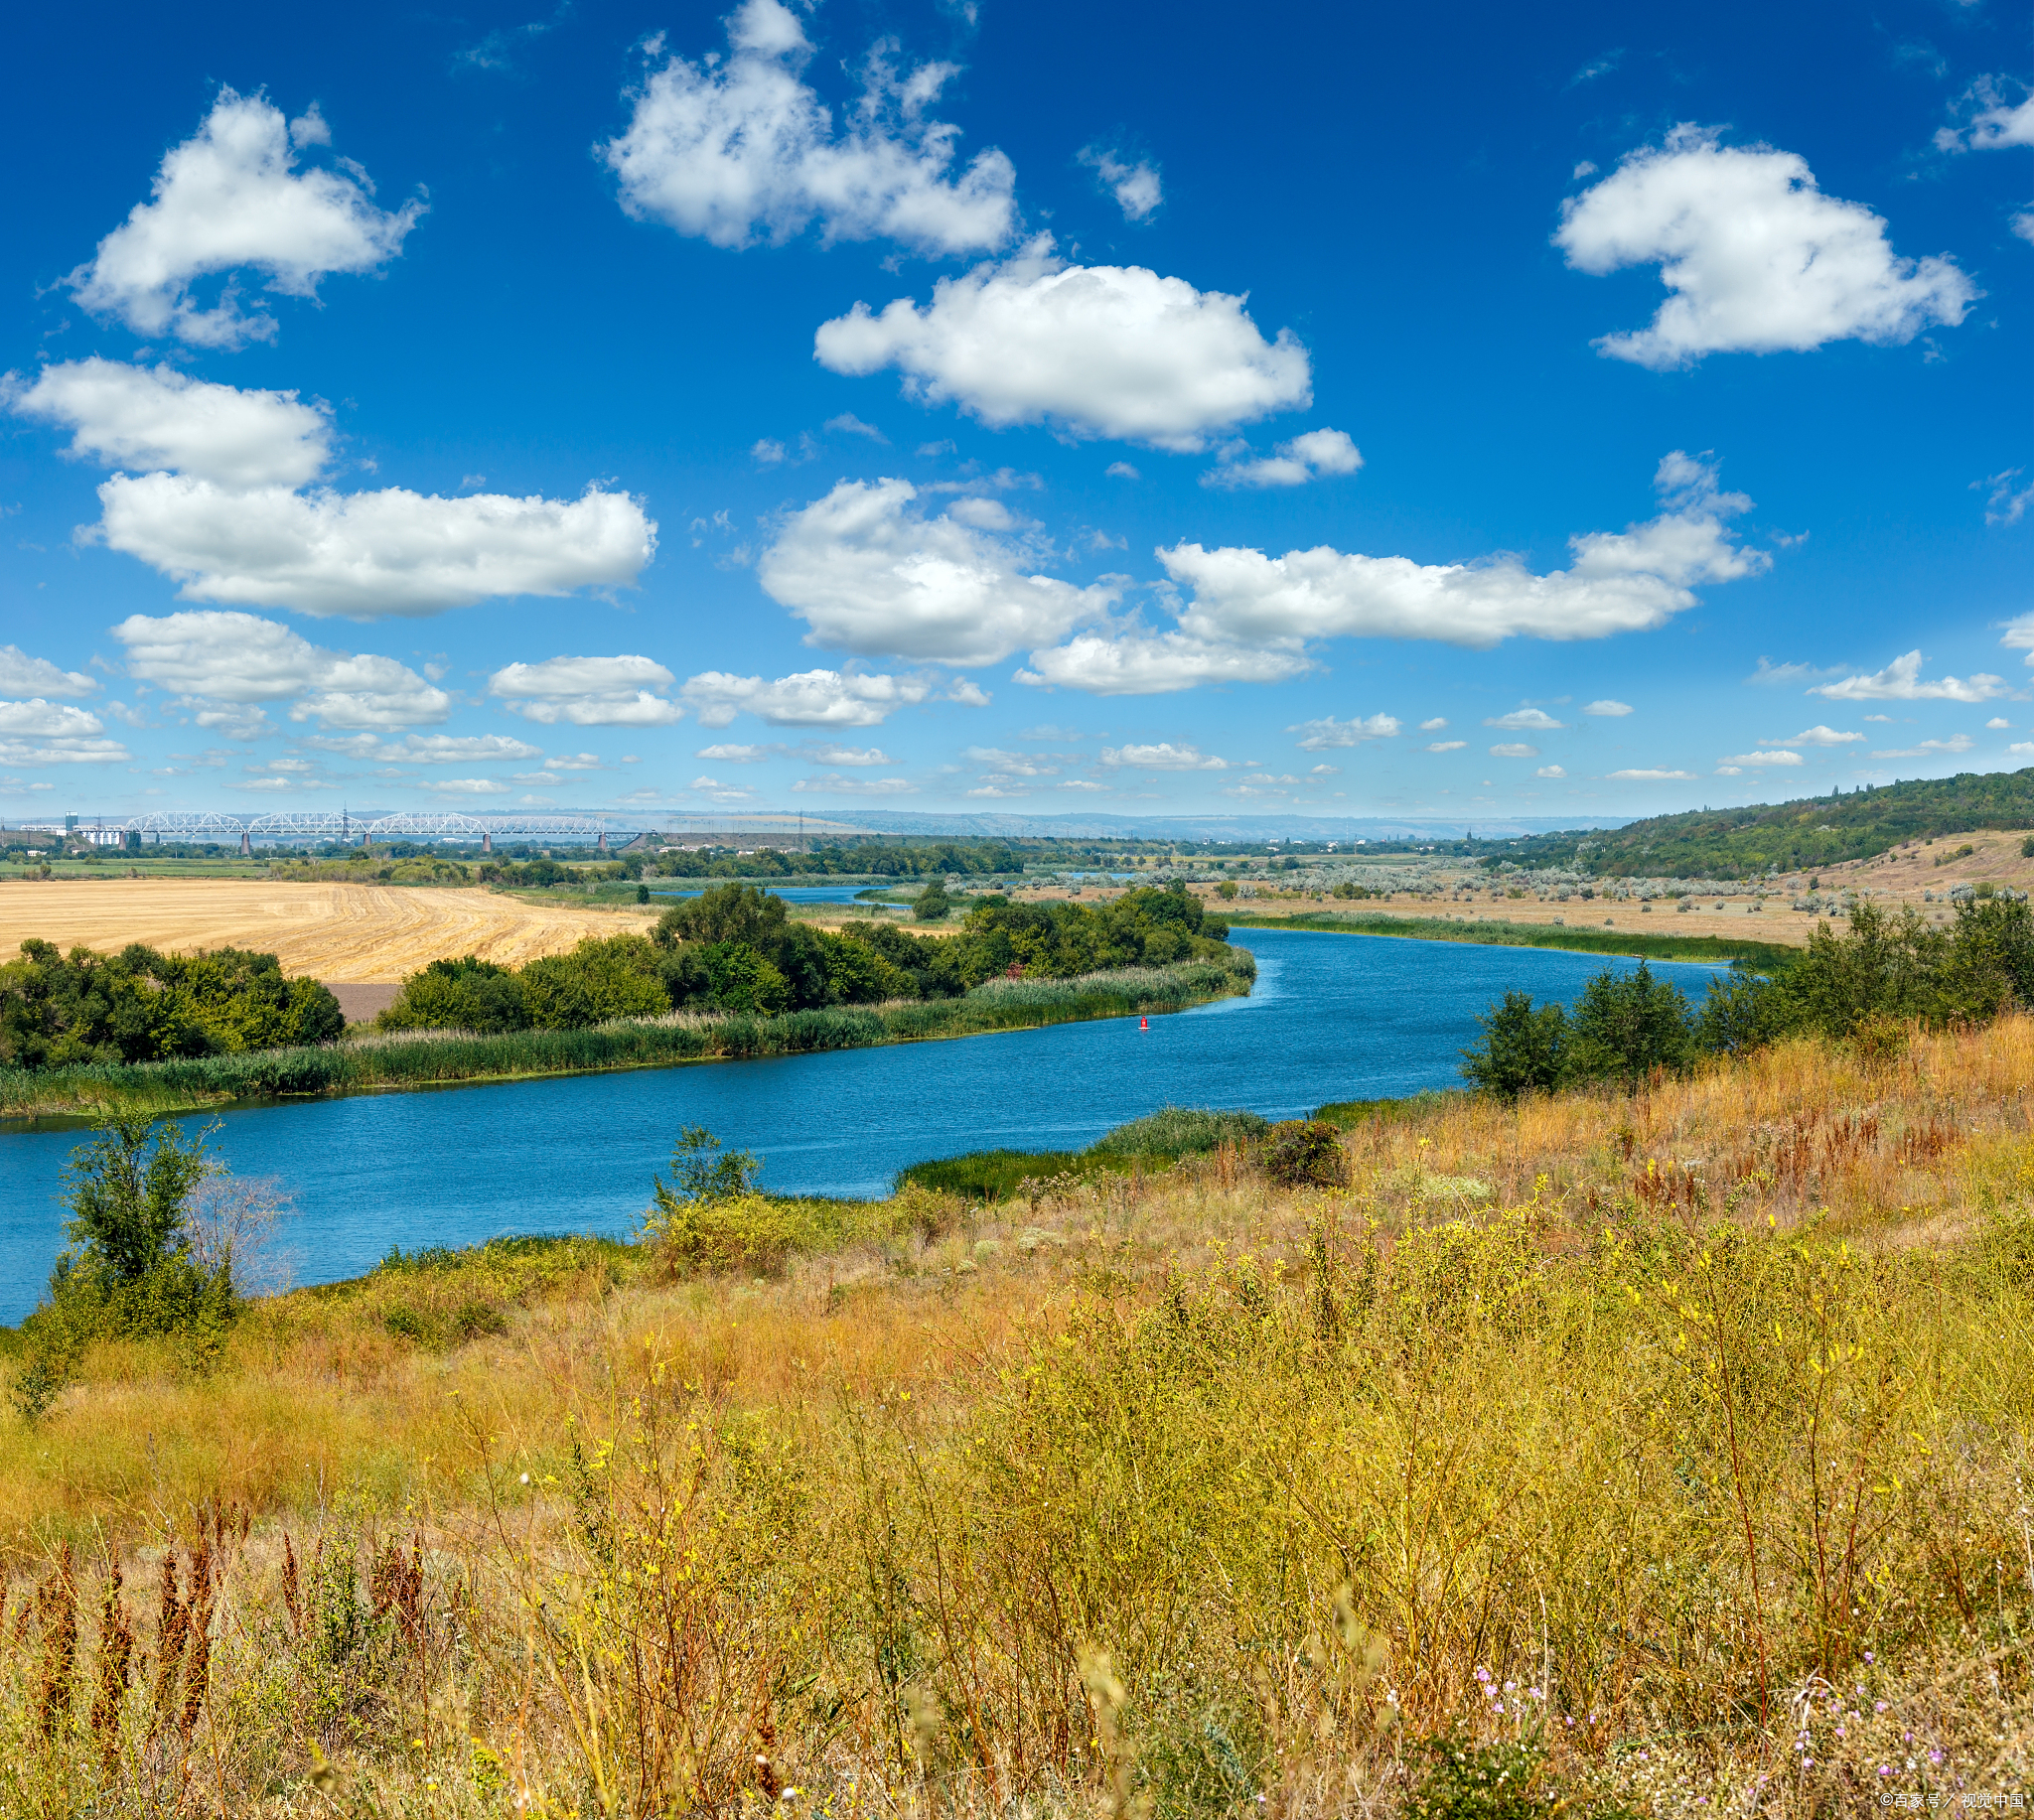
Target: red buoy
point(1143, 1023)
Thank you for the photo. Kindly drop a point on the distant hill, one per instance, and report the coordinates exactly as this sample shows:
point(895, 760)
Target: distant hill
point(1814, 831)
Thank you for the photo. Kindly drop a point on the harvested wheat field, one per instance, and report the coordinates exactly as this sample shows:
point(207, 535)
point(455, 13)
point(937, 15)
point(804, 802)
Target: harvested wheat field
point(331, 932)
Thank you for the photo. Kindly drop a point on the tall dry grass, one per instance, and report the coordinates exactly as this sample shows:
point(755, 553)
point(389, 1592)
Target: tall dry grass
point(1678, 1446)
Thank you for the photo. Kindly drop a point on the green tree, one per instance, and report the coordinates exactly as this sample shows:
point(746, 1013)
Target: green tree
point(1627, 1026)
point(931, 903)
point(1523, 1049)
point(128, 1198)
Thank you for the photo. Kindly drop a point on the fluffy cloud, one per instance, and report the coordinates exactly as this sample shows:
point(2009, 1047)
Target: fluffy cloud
point(239, 660)
point(230, 199)
point(870, 574)
point(38, 732)
point(1550, 770)
point(2019, 635)
point(1096, 349)
point(1163, 756)
point(1824, 735)
point(1515, 749)
point(587, 692)
point(1609, 710)
point(812, 698)
point(837, 786)
point(1322, 735)
point(1249, 616)
point(1304, 458)
point(1137, 662)
point(1447, 744)
point(129, 417)
point(429, 748)
point(1135, 187)
point(1435, 724)
point(1741, 758)
point(1654, 777)
point(1757, 257)
point(738, 149)
point(1901, 680)
point(1931, 749)
point(371, 555)
point(1994, 123)
point(1527, 720)
point(21, 674)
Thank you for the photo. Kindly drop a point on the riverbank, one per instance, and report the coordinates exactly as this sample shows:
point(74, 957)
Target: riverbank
point(433, 1058)
point(1649, 945)
point(1559, 1395)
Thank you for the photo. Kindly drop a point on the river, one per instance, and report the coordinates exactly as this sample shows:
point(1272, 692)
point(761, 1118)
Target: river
point(1333, 1018)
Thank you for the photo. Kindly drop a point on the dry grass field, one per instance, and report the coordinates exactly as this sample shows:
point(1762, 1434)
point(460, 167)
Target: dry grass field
point(1668, 1454)
point(332, 931)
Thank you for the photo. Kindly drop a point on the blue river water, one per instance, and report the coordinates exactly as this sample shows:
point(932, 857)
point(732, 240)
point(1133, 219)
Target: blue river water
point(1333, 1018)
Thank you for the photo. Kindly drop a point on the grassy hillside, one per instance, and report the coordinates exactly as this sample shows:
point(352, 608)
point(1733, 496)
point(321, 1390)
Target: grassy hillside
point(1789, 836)
point(1597, 1456)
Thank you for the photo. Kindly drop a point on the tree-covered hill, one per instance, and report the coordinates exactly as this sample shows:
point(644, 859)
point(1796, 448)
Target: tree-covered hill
point(1787, 836)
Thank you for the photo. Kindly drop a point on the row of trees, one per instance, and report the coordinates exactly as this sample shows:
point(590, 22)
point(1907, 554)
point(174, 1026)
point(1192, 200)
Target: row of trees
point(141, 1005)
point(1881, 974)
point(734, 948)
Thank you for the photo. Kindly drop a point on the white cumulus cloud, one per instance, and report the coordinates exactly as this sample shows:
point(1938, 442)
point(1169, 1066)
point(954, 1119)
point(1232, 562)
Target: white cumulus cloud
point(231, 198)
point(1248, 616)
point(1321, 735)
point(1164, 755)
point(1096, 349)
point(740, 149)
point(1135, 187)
point(1447, 744)
point(1515, 749)
point(38, 732)
point(1652, 776)
point(1742, 759)
point(1819, 735)
point(873, 575)
point(240, 659)
point(625, 691)
point(1757, 258)
point(1550, 770)
point(1901, 680)
point(129, 417)
point(1305, 458)
point(1609, 710)
point(1527, 720)
point(811, 698)
point(371, 555)
point(21, 674)
point(1995, 122)
point(1931, 749)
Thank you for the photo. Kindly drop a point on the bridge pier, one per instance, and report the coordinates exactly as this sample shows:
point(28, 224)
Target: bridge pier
point(487, 840)
point(246, 846)
point(603, 840)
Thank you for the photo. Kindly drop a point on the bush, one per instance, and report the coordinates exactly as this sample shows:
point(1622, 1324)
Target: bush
point(1305, 1154)
point(1502, 1781)
point(932, 904)
point(1523, 1050)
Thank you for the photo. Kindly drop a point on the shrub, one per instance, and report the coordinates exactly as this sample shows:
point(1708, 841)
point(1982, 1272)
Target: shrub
point(1468, 1781)
point(1523, 1049)
point(932, 904)
point(1305, 1154)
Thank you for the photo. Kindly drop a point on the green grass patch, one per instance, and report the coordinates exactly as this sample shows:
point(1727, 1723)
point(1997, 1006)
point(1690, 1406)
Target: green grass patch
point(1765, 955)
point(1349, 1113)
point(1151, 1144)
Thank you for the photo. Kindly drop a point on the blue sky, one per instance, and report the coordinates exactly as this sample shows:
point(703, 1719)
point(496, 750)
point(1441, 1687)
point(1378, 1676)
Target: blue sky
point(975, 407)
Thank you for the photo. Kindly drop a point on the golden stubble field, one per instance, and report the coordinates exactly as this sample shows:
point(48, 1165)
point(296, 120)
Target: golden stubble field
point(331, 932)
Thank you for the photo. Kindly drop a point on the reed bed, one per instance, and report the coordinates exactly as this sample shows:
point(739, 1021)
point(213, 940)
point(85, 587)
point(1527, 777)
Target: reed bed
point(440, 1058)
point(1666, 1455)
